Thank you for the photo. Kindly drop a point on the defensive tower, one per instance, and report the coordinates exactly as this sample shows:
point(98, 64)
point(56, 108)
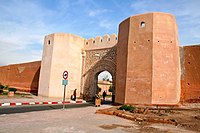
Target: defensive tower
point(148, 66)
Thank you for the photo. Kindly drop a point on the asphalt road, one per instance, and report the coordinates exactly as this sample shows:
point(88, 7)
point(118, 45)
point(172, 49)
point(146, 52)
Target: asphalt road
point(31, 108)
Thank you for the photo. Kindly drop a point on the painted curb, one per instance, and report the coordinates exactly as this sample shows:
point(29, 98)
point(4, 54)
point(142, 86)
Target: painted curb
point(41, 103)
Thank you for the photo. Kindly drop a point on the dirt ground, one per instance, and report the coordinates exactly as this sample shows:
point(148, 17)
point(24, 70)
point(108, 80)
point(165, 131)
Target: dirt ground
point(151, 119)
point(84, 120)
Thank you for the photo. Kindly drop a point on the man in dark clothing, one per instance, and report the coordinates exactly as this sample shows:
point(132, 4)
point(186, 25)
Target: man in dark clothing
point(104, 95)
point(75, 95)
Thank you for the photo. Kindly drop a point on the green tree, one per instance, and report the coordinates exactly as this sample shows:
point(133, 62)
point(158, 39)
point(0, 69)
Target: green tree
point(1, 86)
point(6, 87)
point(110, 89)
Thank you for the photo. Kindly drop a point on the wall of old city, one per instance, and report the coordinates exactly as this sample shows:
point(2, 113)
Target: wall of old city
point(98, 55)
point(104, 42)
point(190, 76)
point(24, 77)
point(144, 64)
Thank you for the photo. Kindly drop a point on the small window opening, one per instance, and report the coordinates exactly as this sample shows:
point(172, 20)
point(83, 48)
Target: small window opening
point(148, 40)
point(171, 41)
point(188, 83)
point(142, 24)
point(86, 43)
point(188, 62)
point(101, 40)
point(158, 41)
point(93, 41)
point(49, 42)
point(116, 38)
point(134, 41)
point(108, 39)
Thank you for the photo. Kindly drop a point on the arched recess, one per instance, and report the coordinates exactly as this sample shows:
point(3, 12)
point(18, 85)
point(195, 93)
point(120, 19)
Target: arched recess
point(91, 78)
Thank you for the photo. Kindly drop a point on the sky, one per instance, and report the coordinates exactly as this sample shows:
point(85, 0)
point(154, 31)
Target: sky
point(104, 76)
point(24, 23)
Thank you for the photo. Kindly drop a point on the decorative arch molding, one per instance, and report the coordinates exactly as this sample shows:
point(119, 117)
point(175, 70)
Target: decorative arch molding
point(106, 62)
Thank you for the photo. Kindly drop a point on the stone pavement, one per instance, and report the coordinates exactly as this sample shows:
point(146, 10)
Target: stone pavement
point(32, 100)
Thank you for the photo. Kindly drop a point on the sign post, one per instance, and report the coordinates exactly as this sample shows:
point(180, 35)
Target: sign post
point(65, 83)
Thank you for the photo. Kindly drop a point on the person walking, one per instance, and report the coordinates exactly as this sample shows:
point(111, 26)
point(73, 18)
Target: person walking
point(104, 95)
point(75, 94)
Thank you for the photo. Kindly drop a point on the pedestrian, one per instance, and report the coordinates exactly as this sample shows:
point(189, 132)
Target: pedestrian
point(74, 95)
point(104, 95)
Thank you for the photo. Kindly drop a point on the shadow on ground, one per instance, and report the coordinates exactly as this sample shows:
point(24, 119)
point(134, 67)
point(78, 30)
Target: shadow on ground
point(33, 108)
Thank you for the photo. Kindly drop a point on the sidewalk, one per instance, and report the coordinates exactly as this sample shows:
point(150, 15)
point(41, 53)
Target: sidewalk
point(33, 100)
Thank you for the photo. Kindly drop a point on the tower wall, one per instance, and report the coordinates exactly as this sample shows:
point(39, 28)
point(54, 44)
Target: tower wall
point(45, 71)
point(139, 64)
point(121, 61)
point(166, 60)
point(148, 67)
point(64, 54)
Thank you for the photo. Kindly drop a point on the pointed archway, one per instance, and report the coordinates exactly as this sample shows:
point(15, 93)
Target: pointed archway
point(97, 65)
point(104, 86)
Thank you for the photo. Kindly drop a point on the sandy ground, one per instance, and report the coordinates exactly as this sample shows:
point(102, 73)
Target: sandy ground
point(175, 120)
point(84, 120)
point(77, 120)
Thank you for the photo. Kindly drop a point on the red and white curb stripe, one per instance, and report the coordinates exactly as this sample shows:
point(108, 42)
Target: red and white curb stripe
point(40, 103)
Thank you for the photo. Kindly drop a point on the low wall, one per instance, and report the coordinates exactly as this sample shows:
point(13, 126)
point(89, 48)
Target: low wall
point(190, 77)
point(24, 77)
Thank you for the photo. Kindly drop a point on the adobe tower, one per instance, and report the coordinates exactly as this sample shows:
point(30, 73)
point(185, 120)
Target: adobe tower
point(61, 52)
point(148, 66)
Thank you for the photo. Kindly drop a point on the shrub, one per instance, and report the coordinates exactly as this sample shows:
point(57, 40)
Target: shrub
point(110, 89)
point(1, 86)
point(5, 93)
point(127, 108)
point(6, 87)
point(12, 89)
point(1, 91)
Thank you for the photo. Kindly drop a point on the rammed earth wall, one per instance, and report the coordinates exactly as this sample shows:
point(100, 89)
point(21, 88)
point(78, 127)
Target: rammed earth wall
point(24, 77)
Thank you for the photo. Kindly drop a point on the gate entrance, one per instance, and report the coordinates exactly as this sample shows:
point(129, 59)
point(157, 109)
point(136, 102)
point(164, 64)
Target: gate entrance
point(104, 86)
point(95, 62)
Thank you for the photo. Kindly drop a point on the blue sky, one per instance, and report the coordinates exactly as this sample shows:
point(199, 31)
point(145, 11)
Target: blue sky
point(24, 23)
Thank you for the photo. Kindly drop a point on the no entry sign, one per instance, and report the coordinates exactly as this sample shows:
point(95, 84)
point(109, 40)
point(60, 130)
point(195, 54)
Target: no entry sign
point(65, 75)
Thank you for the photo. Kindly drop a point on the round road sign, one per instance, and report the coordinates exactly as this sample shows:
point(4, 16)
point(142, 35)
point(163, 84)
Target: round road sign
point(65, 75)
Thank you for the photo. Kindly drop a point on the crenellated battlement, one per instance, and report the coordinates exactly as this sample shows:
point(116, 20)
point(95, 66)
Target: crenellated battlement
point(99, 42)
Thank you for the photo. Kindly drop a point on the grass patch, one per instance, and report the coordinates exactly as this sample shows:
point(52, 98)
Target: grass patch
point(4, 93)
point(127, 108)
point(12, 89)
